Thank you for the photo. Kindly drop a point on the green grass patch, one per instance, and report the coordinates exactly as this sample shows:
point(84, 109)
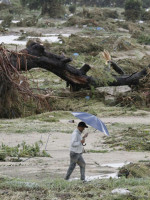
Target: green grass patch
point(61, 189)
point(23, 150)
point(97, 151)
point(144, 39)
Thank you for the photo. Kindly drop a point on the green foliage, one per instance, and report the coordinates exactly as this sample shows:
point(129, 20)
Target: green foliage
point(31, 4)
point(133, 4)
point(133, 9)
point(145, 15)
point(146, 3)
point(97, 151)
point(108, 3)
point(7, 21)
point(144, 39)
point(44, 117)
point(24, 150)
point(72, 8)
point(61, 189)
point(53, 8)
point(2, 155)
point(28, 22)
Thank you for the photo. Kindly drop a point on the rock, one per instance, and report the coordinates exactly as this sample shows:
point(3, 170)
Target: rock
point(109, 98)
point(114, 90)
point(71, 121)
point(57, 81)
point(123, 30)
point(120, 191)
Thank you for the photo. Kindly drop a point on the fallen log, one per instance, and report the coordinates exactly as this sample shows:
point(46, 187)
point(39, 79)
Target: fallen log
point(36, 56)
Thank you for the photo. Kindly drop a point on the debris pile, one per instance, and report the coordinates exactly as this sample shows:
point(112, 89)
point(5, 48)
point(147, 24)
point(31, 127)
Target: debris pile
point(16, 97)
point(136, 170)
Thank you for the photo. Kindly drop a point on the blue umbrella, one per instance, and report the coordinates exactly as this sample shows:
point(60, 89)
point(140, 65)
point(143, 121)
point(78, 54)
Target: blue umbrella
point(92, 120)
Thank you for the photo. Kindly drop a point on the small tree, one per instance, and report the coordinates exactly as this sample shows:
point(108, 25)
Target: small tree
point(146, 3)
point(72, 8)
point(53, 8)
point(133, 9)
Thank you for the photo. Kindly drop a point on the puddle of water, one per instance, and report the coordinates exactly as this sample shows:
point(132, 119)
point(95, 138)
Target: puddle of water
point(102, 176)
point(105, 175)
point(64, 35)
point(13, 21)
point(49, 39)
point(120, 20)
point(120, 191)
point(141, 22)
point(115, 165)
point(12, 39)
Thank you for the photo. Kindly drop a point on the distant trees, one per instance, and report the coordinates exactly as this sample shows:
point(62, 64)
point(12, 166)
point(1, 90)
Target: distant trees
point(98, 3)
point(146, 3)
point(31, 4)
point(51, 7)
point(104, 3)
point(54, 8)
point(133, 9)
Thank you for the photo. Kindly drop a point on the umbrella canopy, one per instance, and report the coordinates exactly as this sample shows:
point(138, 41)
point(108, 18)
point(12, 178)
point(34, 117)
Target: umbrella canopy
point(92, 120)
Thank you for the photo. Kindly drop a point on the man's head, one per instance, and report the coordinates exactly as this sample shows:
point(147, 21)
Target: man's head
point(82, 126)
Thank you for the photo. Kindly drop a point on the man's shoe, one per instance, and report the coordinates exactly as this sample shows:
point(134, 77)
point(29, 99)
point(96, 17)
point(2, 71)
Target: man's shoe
point(84, 181)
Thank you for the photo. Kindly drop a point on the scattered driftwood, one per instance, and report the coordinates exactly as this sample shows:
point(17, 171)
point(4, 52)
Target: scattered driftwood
point(36, 56)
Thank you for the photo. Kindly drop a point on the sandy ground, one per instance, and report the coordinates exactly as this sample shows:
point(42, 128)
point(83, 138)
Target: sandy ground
point(57, 145)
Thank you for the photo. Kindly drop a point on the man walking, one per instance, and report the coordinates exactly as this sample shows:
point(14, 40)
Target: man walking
point(76, 150)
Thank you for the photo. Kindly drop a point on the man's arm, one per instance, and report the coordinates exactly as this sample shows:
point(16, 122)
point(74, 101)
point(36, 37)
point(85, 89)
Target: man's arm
point(85, 135)
point(83, 138)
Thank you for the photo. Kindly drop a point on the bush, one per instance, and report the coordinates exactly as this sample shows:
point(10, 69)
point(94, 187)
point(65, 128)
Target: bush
point(72, 8)
point(146, 15)
point(144, 39)
point(133, 9)
point(146, 3)
point(28, 22)
point(2, 155)
point(22, 150)
point(7, 21)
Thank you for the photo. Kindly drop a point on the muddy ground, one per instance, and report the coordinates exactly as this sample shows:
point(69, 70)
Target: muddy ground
point(57, 145)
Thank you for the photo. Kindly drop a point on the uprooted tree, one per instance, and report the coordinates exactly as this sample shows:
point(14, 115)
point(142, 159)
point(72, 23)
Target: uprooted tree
point(14, 87)
point(35, 56)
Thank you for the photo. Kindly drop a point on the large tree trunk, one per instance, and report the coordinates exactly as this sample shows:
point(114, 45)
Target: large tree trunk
point(59, 65)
